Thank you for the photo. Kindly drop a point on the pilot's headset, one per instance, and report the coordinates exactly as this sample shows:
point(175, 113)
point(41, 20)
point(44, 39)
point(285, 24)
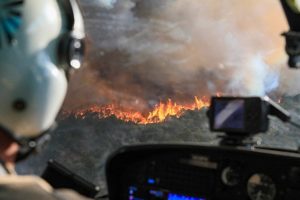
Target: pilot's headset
point(72, 45)
point(40, 43)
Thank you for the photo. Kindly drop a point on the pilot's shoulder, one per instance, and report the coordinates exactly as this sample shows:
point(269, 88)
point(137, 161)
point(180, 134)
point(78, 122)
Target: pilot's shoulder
point(32, 187)
point(64, 194)
point(24, 181)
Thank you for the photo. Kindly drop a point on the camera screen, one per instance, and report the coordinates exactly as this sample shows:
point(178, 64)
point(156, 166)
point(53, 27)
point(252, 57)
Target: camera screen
point(229, 114)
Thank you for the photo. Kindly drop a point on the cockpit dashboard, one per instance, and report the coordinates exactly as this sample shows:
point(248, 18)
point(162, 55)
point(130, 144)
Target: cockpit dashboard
point(199, 172)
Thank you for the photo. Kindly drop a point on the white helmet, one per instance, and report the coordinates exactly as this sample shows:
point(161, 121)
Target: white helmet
point(40, 40)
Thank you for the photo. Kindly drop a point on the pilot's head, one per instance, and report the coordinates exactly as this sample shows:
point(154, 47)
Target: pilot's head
point(40, 42)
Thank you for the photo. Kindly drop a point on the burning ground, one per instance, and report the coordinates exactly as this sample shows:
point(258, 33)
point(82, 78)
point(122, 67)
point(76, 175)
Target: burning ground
point(160, 113)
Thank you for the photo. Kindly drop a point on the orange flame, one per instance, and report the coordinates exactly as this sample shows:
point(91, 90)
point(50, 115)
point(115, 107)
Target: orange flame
point(159, 114)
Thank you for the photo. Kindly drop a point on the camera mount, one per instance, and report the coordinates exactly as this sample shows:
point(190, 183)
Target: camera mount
point(241, 118)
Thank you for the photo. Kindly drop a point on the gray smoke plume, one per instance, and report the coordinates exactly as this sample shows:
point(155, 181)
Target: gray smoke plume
point(144, 51)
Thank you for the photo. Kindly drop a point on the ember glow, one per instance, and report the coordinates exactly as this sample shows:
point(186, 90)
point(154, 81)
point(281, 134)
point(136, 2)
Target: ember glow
point(160, 113)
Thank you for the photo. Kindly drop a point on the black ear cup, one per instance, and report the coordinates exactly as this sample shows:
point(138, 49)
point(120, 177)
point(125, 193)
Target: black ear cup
point(71, 47)
point(71, 52)
point(75, 53)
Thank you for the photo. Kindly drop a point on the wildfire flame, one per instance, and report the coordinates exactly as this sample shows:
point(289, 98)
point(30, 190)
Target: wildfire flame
point(159, 114)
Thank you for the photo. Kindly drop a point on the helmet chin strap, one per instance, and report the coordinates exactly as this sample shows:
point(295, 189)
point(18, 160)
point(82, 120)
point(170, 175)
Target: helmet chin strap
point(29, 146)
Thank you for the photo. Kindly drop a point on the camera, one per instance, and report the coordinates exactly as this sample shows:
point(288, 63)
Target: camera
point(243, 115)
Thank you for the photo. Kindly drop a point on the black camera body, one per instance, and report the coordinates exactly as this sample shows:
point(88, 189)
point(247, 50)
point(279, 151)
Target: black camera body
point(242, 116)
point(239, 115)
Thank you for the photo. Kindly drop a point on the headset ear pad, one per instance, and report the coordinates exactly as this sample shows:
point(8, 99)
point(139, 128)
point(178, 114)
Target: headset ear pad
point(71, 51)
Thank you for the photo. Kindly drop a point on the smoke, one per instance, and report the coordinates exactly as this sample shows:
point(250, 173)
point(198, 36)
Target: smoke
point(144, 51)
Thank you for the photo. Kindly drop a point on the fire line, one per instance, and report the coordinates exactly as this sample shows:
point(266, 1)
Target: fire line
point(160, 113)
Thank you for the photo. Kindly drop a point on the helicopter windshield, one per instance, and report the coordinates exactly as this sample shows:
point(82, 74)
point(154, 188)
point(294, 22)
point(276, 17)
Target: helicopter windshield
point(151, 68)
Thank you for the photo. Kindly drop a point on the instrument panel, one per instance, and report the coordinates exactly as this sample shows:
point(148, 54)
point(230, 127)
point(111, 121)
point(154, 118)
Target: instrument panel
point(198, 172)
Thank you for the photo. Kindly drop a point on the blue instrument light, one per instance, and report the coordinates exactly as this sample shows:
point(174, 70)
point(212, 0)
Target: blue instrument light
point(151, 181)
point(156, 193)
point(182, 197)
